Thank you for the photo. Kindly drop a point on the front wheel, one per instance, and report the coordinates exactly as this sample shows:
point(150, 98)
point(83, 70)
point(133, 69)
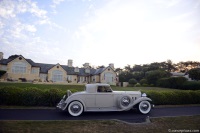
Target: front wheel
point(144, 107)
point(75, 108)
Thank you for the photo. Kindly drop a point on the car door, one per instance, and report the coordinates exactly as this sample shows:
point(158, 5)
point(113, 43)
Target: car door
point(104, 98)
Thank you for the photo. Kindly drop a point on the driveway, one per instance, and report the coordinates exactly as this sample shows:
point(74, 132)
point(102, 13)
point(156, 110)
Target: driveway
point(128, 116)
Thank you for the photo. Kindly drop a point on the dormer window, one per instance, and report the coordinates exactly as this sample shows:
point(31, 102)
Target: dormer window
point(87, 70)
point(76, 69)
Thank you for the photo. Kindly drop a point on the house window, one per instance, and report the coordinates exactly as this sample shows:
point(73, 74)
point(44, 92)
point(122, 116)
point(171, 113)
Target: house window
point(57, 76)
point(34, 71)
point(82, 79)
point(69, 78)
point(108, 77)
point(19, 67)
point(3, 67)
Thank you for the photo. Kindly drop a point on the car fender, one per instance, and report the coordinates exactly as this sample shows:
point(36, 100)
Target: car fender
point(141, 99)
point(70, 99)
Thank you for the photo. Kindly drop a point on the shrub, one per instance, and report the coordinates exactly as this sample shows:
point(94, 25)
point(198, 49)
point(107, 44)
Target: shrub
point(52, 97)
point(172, 82)
point(191, 85)
point(174, 97)
point(36, 97)
point(132, 81)
point(145, 85)
point(30, 96)
point(143, 81)
point(23, 79)
point(137, 85)
point(194, 73)
point(153, 76)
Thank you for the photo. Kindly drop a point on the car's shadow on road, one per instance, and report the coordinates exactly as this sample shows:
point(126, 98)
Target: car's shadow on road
point(129, 116)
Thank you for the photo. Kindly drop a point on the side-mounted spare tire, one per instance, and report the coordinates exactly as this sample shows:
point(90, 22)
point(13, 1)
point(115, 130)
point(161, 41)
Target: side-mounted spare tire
point(124, 101)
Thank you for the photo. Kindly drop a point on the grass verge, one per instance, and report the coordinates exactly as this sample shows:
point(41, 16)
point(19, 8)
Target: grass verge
point(101, 126)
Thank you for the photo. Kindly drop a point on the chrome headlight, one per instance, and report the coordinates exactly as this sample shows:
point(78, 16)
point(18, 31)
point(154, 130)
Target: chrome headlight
point(144, 94)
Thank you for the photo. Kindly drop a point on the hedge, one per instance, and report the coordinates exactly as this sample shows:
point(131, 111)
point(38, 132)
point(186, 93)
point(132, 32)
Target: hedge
point(178, 83)
point(174, 97)
point(172, 82)
point(37, 97)
point(30, 96)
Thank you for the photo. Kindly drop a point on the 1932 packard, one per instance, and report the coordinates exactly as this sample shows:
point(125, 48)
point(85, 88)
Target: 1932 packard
point(101, 98)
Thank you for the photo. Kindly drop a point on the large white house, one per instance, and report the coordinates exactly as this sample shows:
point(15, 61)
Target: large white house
point(17, 67)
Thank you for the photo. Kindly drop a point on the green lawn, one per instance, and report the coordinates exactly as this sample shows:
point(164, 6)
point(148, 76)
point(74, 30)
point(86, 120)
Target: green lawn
point(43, 86)
point(158, 125)
point(77, 87)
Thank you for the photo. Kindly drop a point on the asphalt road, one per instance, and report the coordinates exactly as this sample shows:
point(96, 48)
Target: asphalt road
point(128, 116)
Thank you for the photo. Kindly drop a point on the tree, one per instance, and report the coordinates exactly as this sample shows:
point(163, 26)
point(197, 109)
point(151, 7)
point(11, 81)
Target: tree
point(125, 76)
point(143, 81)
point(132, 81)
point(137, 68)
point(128, 68)
point(153, 76)
point(194, 73)
point(138, 75)
point(170, 66)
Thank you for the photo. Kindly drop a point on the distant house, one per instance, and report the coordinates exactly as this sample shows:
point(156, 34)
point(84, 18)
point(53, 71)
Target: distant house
point(178, 74)
point(17, 67)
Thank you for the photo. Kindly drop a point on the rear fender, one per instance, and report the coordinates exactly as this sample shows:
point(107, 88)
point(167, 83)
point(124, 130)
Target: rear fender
point(71, 99)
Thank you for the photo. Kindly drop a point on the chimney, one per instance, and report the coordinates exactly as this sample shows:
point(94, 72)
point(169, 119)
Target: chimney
point(70, 63)
point(111, 65)
point(1, 55)
point(86, 65)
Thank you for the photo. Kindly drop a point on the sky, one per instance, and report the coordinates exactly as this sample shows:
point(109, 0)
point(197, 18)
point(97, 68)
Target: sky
point(122, 32)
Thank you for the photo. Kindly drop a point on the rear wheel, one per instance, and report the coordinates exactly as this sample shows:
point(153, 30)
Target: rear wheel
point(75, 108)
point(144, 107)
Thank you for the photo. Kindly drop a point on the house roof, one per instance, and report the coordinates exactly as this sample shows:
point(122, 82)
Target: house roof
point(44, 68)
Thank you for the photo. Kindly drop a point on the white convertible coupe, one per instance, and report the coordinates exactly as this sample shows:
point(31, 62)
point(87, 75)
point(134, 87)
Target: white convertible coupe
point(100, 97)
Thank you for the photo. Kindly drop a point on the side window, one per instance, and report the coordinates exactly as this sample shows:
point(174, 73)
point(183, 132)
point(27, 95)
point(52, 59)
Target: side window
point(100, 89)
point(103, 89)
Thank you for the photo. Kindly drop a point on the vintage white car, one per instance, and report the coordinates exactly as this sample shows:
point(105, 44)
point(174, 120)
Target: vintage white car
point(100, 97)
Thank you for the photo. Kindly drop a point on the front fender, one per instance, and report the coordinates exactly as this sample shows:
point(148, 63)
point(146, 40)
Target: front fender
point(141, 99)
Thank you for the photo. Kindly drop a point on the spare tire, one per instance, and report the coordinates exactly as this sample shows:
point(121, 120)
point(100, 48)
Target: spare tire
point(124, 101)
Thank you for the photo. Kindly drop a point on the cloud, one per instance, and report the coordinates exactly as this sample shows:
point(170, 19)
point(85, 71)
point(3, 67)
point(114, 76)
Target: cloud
point(167, 3)
point(54, 4)
point(19, 36)
point(133, 31)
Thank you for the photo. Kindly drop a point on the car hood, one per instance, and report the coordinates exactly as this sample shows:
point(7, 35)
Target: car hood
point(115, 92)
point(127, 92)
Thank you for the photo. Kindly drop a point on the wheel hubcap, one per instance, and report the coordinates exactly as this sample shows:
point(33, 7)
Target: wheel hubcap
point(75, 108)
point(125, 101)
point(144, 106)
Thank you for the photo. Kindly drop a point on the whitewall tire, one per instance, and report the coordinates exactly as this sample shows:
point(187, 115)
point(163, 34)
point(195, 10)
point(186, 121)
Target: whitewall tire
point(75, 108)
point(144, 107)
